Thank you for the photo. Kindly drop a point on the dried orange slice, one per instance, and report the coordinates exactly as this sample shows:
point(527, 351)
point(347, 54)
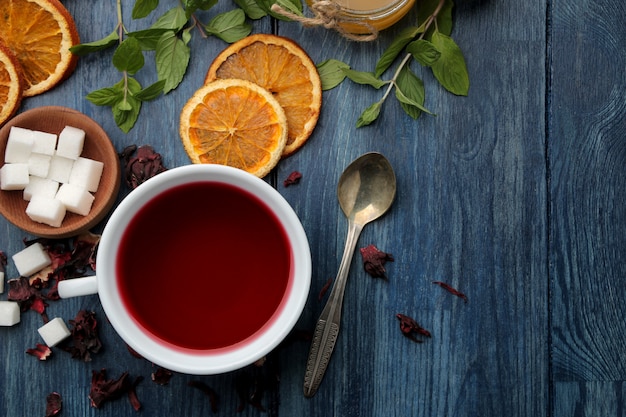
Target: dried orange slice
point(40, 34)
point(11, 82)
point(283, 68)
point(234, 122)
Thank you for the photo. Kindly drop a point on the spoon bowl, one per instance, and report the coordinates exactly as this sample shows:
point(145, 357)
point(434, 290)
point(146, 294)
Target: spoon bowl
point(366, 189)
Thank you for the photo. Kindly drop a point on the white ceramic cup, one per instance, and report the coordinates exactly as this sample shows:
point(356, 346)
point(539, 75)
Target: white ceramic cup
point(201, 362)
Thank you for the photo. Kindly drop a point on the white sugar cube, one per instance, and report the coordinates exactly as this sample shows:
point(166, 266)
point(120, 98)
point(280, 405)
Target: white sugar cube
point(60, 168)
point(14, 176)
point(86, 173)
point(46, 210)
point(39, 164)
point(54, 331)
point(71, 141)
point(31, 259)
point(1, 282)
point(19, 145)
point(44, 143)
point(44, 187)
point(76, 199)
point(9, 313)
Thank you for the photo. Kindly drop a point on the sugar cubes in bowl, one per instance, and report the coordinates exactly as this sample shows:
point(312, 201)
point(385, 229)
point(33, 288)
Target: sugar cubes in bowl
point(59, 172)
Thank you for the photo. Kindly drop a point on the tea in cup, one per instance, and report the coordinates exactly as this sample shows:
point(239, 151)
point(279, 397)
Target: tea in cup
point(202, 269)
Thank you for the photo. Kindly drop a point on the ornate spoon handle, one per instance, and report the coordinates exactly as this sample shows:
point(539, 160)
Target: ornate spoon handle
point(327, 328)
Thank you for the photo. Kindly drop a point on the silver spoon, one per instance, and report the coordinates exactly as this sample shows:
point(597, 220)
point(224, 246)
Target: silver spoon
point(365, 191)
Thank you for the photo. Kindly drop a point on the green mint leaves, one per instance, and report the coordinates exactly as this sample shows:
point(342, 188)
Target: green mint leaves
point(168, 37)
point(429, 44)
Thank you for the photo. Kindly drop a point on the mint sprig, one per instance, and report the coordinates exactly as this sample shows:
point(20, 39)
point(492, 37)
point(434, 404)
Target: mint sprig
point(169, 38)
point(429, 44)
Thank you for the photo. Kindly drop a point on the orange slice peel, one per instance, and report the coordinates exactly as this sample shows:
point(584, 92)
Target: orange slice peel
point(234, 122)
point(282, 67)
point(40, 34)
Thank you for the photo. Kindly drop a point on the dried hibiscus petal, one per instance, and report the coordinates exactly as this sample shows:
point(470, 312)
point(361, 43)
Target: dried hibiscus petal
point(409, 327)
point(292, 179)
point(103, 389)
point(25, 295)
point(374, 261)
point(161, 376)
point(70, 258)
point(85, 339)
point(324, 289)
point(54, 403)
point(40, 351)
point(144, 165)
point(451, 290)
point(132, 394)
point(3, 261)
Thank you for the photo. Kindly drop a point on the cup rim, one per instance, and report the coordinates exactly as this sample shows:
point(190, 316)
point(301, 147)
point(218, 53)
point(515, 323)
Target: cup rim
point(205, 362)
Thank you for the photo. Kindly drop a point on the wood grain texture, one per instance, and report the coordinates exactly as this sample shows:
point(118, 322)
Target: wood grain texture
point(588, 154)
point(514, 195)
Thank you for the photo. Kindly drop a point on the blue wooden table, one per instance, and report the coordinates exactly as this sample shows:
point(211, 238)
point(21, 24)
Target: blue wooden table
point(514, 195)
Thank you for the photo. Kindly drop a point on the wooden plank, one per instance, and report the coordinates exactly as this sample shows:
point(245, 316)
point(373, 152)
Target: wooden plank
point(587, 154)
point(470, 210)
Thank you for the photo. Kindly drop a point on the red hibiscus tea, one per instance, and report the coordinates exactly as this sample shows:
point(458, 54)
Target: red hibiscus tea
point(203, 266)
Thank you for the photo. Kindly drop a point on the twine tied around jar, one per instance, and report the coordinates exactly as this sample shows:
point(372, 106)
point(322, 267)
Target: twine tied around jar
point(328, 13)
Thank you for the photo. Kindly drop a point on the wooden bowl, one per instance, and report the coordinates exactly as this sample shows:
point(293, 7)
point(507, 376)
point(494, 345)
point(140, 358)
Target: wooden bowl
point(97, 146)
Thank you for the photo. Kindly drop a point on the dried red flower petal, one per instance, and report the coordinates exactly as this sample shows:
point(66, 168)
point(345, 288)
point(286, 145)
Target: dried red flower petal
point(408, 327)
point(451, 290)
point(71, 258)
point(23, 293)
point(41, 351)
point(208, 391)
point(374, 261)
point(141, 167)
point(161, 376)
point(292, 179)
point(54, 404)
point(3, 261)
point(324, 289)
point(132, 394)
point(103, 390)
point(85, 339)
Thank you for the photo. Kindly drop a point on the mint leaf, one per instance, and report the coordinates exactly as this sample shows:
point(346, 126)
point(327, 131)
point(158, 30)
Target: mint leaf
point(173, 19)
point(148, 38)
point(126, 111)
point(251, 8)
point(410, 92)
point(294, 7)
point(192, 5)
point(267, 4)
point(172, 59)
point(229, 26)
point(128, 56)
point(450, 69)
point(369, 114)
point(362, 77)
point(444, 19)
point(99, 45)
point(107, 96)
point(331, 73)
point(423, 52)
point(151, 92)
point(143, 8)
point(391, 53)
